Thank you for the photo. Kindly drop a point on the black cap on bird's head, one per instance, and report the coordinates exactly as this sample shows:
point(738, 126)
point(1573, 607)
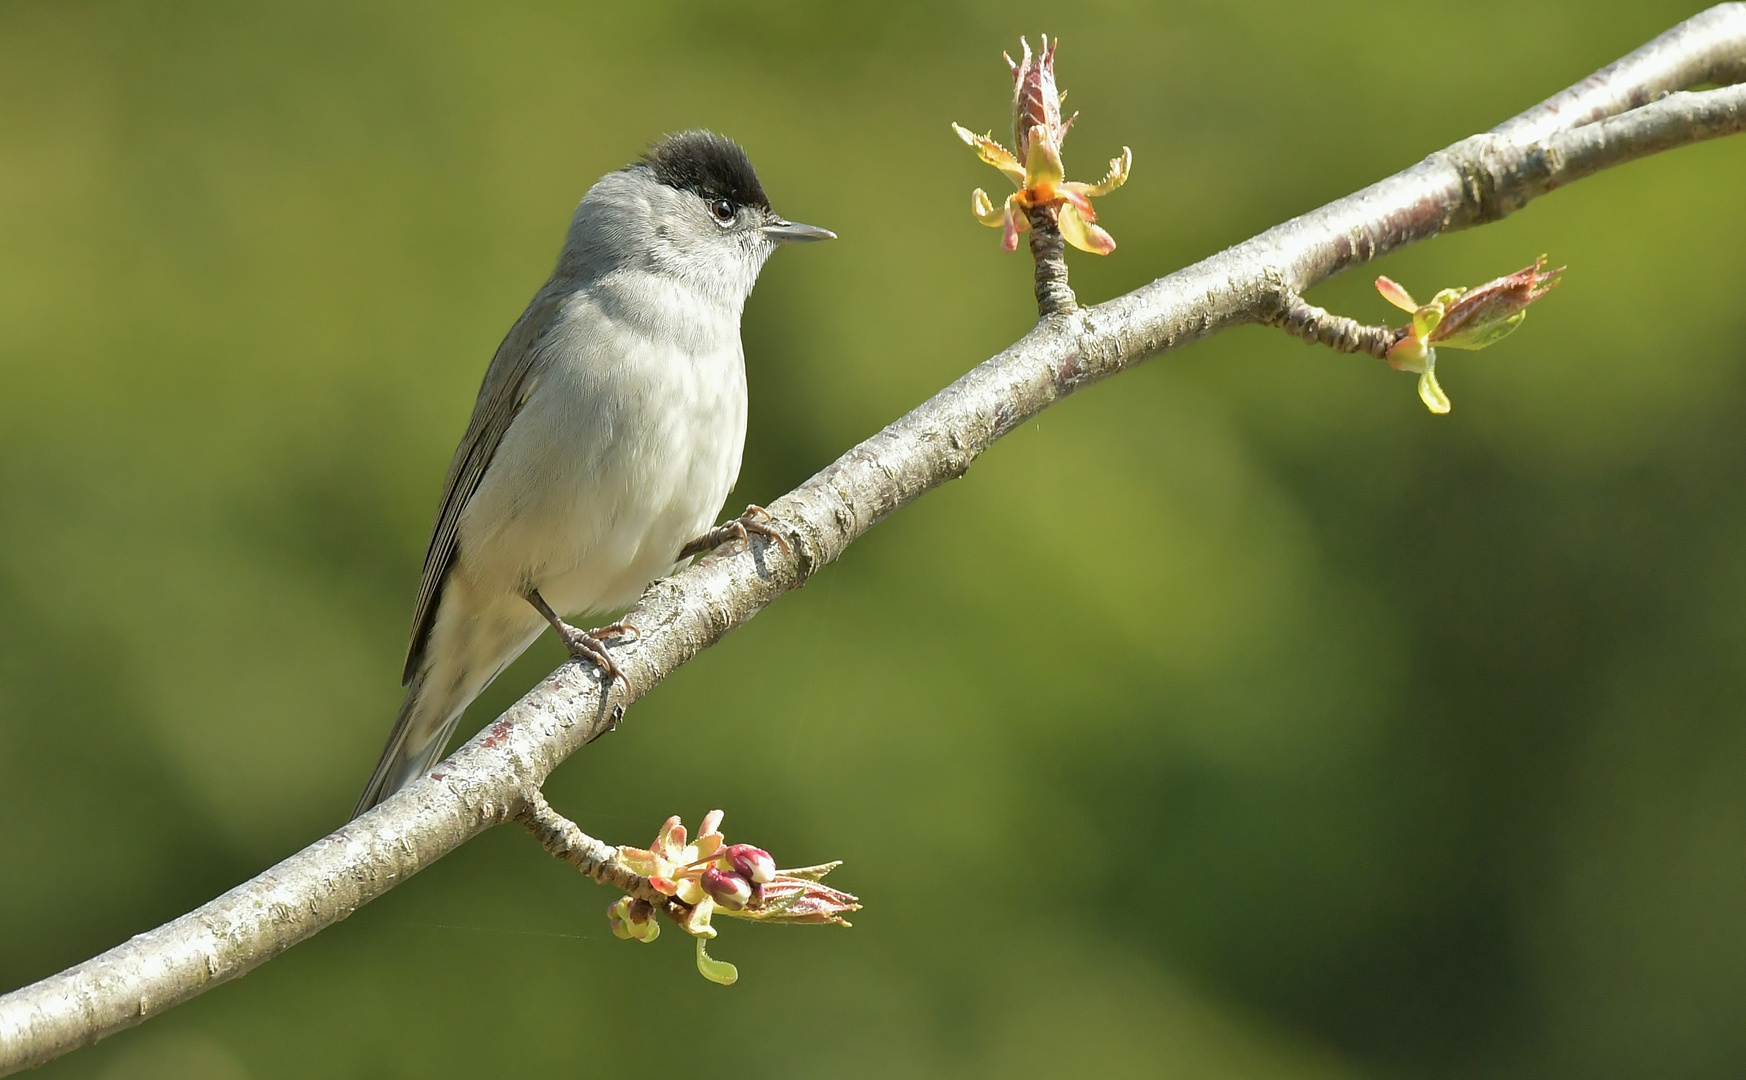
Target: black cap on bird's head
point(717, 170)
point(707, 165)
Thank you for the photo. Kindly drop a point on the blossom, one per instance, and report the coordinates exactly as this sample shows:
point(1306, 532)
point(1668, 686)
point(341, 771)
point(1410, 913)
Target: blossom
point(1037, 132)
point(1461, 319)
point(708, 876)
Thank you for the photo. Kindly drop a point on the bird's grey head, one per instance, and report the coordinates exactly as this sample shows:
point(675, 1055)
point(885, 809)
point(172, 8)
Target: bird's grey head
point(691, 210)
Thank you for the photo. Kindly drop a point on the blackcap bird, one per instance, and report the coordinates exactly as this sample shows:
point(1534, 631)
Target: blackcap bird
point(606, 436)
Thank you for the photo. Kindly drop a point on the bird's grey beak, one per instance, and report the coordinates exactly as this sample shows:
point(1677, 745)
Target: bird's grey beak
point(792, 232)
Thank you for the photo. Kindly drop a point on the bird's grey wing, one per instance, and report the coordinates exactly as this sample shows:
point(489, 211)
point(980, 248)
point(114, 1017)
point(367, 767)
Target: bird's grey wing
point(501, 395)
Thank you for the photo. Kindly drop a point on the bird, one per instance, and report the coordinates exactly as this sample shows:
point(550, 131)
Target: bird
point(605, 439)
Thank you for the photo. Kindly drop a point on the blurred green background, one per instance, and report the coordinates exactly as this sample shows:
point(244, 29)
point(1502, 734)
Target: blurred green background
point(1238, 718)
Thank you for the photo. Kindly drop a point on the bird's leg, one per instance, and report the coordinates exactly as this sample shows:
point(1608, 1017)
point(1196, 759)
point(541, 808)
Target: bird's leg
point(756, 519)
point(585, 644)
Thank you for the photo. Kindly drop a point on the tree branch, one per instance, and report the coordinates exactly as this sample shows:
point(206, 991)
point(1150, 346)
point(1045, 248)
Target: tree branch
point(496, 776)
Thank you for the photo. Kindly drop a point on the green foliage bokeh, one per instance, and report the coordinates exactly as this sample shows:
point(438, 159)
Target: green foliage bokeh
point(1235, 719)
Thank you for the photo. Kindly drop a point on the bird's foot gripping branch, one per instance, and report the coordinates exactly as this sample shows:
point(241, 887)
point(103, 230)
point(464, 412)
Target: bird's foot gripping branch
point(692, 882)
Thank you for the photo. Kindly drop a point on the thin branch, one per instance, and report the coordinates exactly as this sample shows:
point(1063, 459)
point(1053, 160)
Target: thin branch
point(565, 840)
point(1049, 251)
point(595, 858)
point(496, 776)
point(1318, 326)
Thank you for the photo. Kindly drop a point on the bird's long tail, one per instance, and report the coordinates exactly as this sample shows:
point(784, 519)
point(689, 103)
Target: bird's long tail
point(421, 731)
point(469, 645)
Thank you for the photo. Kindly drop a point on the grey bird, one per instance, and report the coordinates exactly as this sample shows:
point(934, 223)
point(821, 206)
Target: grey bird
point(606, 436)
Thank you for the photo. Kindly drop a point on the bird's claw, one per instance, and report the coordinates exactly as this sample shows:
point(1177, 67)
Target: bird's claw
point(587, 645)
point(756, 520)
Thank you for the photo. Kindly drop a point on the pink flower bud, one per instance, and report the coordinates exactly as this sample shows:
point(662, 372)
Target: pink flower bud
point(1036, 103)
point(728, 889)
point(1479, 316)
point(754, 863)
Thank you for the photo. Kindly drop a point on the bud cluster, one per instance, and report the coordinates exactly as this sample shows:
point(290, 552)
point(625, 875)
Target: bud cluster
point(708, 875)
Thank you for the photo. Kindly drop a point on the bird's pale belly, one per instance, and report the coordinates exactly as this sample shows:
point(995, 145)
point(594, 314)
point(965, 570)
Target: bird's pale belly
point(590, 521)
point(610, 576)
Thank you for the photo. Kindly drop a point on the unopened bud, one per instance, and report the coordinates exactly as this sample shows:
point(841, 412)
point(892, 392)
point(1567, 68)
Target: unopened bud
point(1036, 103)
point(1477, 317)
point(728, 889)
point(754, 863)
point(633, 920)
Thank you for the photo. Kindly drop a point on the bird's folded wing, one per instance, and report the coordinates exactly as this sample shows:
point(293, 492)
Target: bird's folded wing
point(500, 398)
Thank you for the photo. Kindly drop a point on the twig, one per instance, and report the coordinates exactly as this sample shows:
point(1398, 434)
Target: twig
point(1317, 326)
point(565, 840)
point(1049, 250)
point(495, 777)
point(595, 858)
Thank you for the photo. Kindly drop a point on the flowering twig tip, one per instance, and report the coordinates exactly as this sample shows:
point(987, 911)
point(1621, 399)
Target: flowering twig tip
point(1461, 319)
point(1034, 164)
point(710, 877)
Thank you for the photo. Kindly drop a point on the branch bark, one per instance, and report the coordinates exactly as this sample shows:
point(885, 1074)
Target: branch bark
point(1049, 252)
point(1616, 115)
point(565, 840)
point(1319, 326)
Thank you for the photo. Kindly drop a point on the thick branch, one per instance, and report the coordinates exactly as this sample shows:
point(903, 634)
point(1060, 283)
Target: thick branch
point(496, 776)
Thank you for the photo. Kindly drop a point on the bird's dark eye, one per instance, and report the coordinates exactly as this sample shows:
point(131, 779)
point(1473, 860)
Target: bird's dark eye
point(723, 210)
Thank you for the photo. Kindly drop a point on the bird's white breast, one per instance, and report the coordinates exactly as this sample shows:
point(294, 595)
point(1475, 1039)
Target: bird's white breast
point(626, 448)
